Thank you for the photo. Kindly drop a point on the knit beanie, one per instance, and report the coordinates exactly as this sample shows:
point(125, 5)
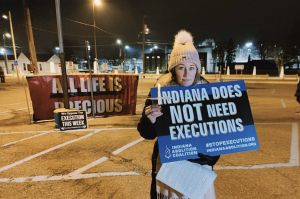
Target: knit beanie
point(184, 51)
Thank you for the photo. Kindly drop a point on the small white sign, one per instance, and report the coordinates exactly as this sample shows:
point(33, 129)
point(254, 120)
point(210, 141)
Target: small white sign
point(239, 67)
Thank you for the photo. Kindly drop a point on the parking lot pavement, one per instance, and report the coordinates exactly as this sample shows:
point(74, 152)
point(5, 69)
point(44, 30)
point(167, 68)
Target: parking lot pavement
point(110, 160)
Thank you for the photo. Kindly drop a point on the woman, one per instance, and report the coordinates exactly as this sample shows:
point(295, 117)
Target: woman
point(184, 70)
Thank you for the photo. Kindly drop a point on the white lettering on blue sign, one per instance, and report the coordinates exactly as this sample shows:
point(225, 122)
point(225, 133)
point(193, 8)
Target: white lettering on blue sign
point(185, 113)
point(225, 92)
point(204, 129)
point(184, 96)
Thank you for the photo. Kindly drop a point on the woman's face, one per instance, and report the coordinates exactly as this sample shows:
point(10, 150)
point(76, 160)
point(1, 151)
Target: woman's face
point(185, 74)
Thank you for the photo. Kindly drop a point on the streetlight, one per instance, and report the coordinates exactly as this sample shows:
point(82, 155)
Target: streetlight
point(11, 35)
point(145, 31)
point(155, 47)
point(248, 44)
point(5, 35)
point(126, 48)
point(119, 43)
point(4, 16)
point(2, 51)
point(95, 3)
point(57, 48)
point(95, 63)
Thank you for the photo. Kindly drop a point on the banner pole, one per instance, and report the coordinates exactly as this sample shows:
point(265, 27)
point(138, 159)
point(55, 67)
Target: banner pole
point(87, 48)
point(64, 77)
point(24, 86)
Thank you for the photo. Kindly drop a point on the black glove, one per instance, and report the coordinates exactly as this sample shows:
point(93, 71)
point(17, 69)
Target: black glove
point(205, 159)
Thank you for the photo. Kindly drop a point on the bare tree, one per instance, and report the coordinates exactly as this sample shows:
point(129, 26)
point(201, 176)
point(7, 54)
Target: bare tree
point(283, 54)
point(262, 50)
point(230, 52)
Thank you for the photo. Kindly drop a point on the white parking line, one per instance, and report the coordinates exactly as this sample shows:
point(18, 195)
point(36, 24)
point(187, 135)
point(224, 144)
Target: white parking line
point(45, 152)
point(69, 131)
point(93, 175)
point(103, 159)
point(88, 166)
point(294, 157)
point(77, 174)
point(28, 138)
point(66, 177)
point(127, 146)
point(282, 103)
point(259, 166)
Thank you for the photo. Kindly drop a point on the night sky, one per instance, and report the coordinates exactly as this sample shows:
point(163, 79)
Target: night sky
point(242, 20)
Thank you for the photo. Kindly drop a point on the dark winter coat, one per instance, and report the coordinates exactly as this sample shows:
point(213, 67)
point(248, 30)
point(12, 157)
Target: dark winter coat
point(147, 131)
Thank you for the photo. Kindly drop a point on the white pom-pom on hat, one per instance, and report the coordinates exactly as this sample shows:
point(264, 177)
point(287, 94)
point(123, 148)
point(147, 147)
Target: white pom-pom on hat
point(183, 37)
point(184, 51)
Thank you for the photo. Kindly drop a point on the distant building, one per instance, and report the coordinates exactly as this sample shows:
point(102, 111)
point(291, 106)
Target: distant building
point(22, 62)
point(46, 64)
point(157, 58)
point(131, 64)
point(205, 52)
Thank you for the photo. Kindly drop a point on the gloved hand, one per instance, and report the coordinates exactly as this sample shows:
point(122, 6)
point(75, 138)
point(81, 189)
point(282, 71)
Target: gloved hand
point(205, 159)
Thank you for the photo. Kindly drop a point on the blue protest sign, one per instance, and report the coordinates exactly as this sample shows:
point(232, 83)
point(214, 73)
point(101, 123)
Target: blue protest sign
point(211, 119)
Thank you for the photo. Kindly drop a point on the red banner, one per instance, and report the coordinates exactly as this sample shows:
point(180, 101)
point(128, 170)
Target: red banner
point(113, 94)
